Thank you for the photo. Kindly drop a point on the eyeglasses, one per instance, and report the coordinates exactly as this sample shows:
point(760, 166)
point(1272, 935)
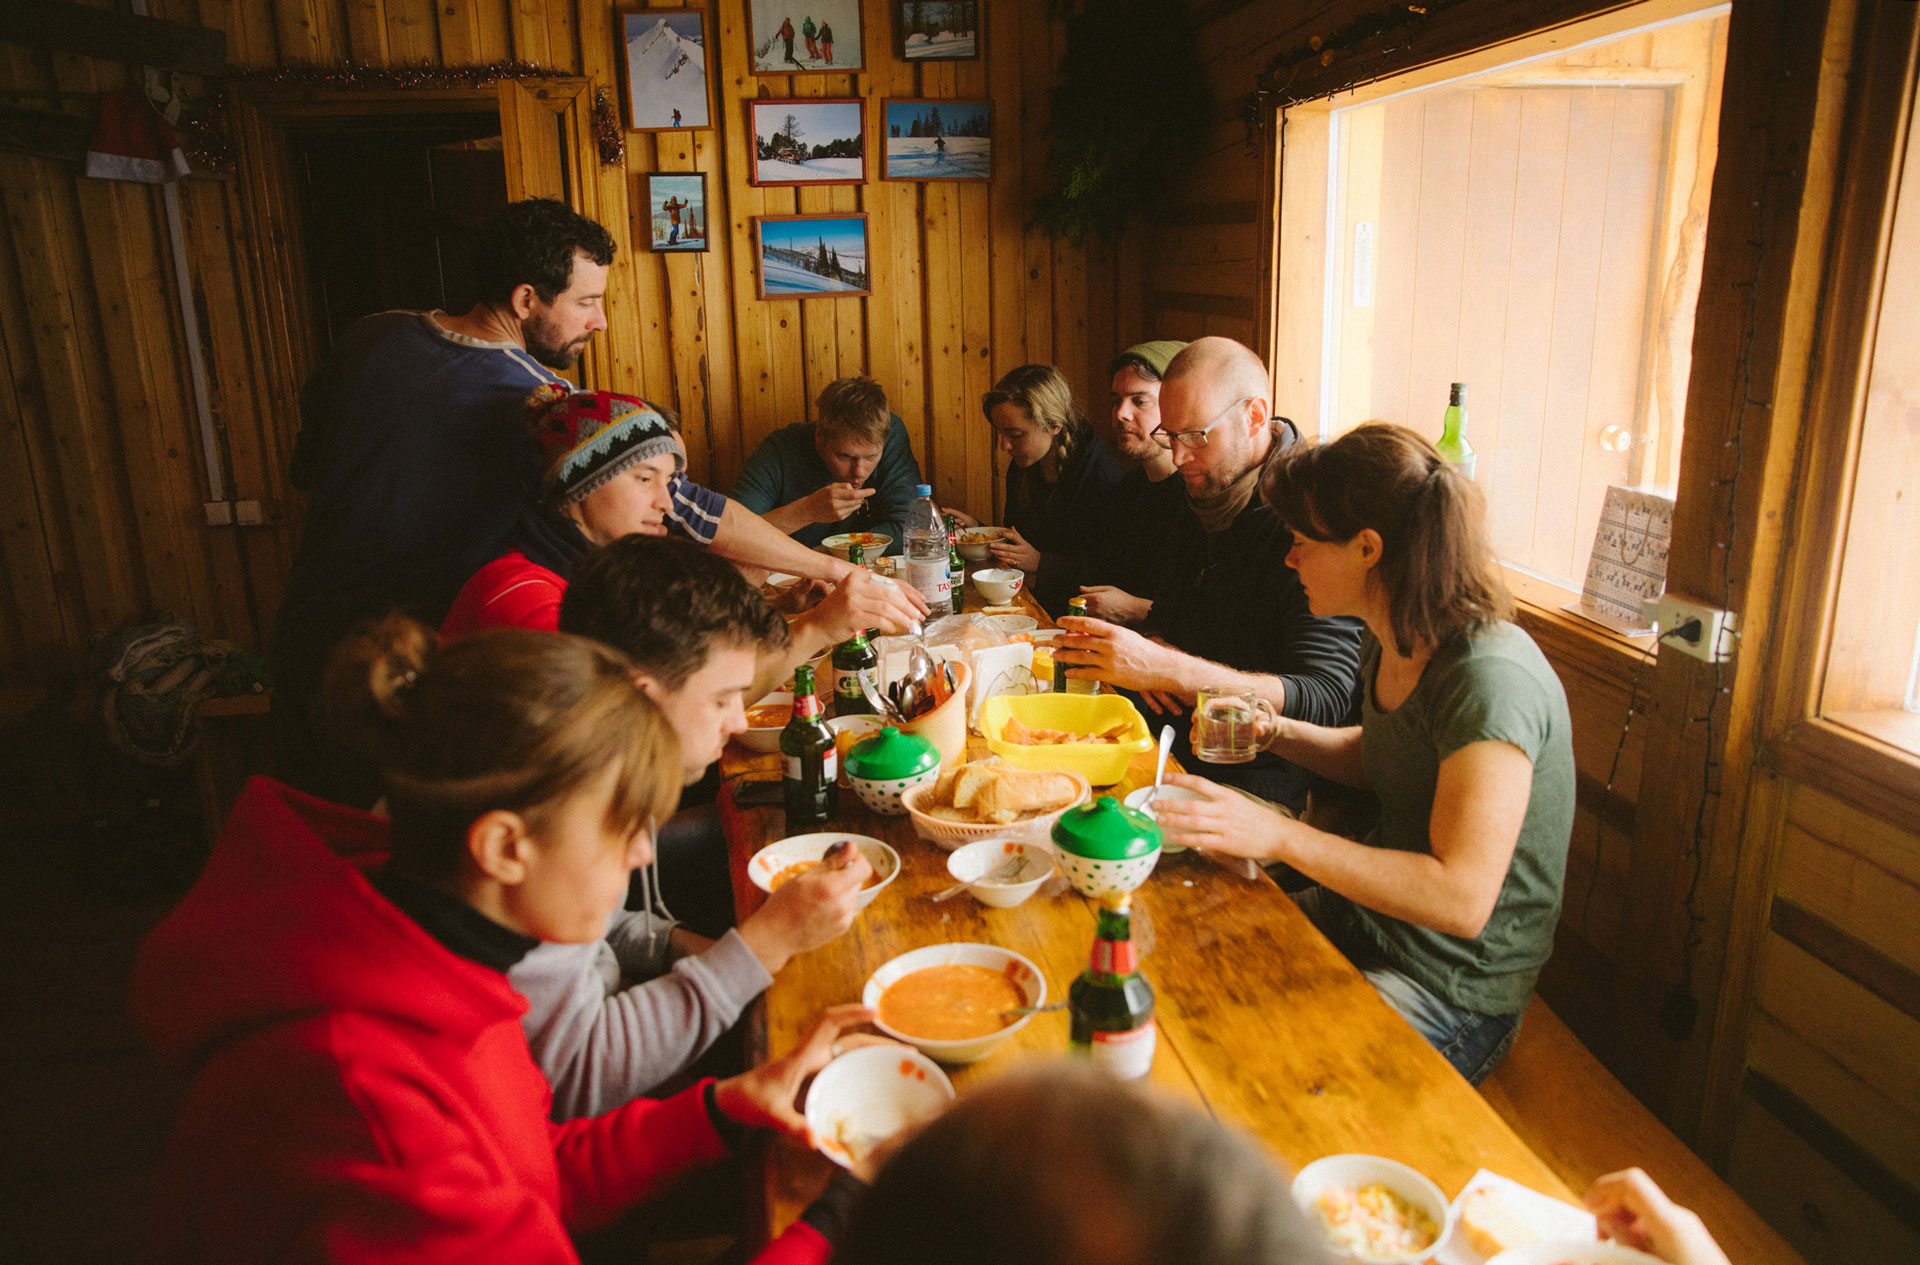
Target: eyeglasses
point(1195, 439)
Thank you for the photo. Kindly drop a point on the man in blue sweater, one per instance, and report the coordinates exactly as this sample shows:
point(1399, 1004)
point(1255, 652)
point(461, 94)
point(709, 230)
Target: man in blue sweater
point(853, 470)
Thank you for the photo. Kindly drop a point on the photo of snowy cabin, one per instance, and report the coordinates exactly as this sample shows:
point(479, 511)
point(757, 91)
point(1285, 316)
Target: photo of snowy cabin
point(812, 256)
point(666, 69)
point(808, 142)
point(938, 140)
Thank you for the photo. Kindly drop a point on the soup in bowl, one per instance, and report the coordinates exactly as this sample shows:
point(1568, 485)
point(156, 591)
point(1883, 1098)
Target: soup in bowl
point(954, 1015)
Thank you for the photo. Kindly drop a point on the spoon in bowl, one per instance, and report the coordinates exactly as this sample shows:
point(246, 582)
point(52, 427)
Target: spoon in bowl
point(1160, 769)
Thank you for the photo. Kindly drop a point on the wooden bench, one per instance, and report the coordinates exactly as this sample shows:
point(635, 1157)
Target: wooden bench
point(235, 743)
point(1583, 1123)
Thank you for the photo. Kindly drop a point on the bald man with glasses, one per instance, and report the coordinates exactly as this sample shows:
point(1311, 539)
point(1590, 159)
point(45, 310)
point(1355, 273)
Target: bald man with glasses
point(1236, 614)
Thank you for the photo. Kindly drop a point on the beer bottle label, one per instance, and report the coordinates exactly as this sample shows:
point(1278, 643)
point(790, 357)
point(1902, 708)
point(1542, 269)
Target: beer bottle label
point(1112, 957)
point(829, 763)
point(1125, 1055)
point(846, 683)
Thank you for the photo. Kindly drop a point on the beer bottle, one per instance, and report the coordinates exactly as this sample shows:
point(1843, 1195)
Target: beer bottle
point(1061, 683)
point(1110, 1006)
point(956, 565)
point(812, 765)
point(853, 659)
point(857, 554)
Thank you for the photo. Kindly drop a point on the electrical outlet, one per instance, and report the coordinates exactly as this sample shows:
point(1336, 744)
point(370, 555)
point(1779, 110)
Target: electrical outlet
point(1694, 628)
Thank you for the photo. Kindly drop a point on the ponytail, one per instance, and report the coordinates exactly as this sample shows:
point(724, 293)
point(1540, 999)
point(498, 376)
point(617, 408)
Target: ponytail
point(1042, 393)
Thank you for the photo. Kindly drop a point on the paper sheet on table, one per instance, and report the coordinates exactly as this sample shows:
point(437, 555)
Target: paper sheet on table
point(1552, 1218)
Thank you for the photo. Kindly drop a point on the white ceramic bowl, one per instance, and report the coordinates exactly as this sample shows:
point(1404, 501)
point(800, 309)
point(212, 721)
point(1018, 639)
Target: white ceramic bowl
point(794, 849)
point(1011, 624)
point(867, 1095)
point(765, 738)
point(978, 549)
point(1021, 971)
point(975, 860)
point(872, 544)
point(942, 833)
point(1095, 879)
point(998, 585)
point(1364, 1170)
point(882, 795)
point(1143, 798)
point(1573, 1252)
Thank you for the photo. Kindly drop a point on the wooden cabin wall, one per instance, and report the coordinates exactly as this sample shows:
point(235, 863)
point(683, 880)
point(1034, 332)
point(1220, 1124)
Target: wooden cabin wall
point(100, 466)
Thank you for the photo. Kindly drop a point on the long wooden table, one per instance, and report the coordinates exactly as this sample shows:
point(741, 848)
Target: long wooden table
point(1262, 1021)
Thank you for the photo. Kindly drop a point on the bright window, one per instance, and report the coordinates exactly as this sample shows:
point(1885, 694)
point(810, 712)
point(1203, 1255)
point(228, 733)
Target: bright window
point(1533, 230)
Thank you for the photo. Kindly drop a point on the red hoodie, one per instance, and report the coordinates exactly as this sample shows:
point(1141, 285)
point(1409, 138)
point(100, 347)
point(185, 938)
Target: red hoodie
point(360, 1092)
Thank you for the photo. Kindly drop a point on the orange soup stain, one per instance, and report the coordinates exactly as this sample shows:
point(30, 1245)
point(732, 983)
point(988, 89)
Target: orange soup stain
point(950, 1003)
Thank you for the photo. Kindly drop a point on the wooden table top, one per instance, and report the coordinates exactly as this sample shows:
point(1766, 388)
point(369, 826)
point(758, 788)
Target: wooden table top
point(1262, 1021)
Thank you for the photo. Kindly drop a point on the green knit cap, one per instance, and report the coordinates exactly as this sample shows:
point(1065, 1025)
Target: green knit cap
point(1155, 356)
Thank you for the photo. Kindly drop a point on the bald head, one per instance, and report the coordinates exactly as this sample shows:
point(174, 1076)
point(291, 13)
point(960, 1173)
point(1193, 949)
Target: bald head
point(1224, 367)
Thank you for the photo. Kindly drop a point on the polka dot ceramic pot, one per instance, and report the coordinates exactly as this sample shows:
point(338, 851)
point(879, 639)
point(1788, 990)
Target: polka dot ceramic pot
point(1104, 848)
point(1098, 878)
point(886, 766)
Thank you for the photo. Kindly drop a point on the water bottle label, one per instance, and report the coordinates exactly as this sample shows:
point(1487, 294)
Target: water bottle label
point(1125, 1055)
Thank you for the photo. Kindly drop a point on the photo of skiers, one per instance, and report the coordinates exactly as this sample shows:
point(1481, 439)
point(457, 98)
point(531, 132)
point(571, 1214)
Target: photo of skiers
point(938, 140)
point(812, 256)
point(793, 37)
point(666, 69)
point(807, 141)
point(939, 30)
point(677, 211)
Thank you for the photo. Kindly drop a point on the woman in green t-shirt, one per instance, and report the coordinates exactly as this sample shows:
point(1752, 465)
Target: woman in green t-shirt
point(1449, 904)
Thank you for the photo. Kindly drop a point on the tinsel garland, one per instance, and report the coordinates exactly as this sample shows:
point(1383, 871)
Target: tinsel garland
point(1323, 50)
point(607, 131)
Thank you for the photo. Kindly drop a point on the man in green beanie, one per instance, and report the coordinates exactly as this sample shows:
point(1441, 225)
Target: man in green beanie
point(1150, 499)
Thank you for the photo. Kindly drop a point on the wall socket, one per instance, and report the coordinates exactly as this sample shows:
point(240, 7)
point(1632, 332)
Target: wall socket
point(1712, 642)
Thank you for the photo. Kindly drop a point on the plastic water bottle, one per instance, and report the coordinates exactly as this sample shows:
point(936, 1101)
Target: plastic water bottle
point(927, 552)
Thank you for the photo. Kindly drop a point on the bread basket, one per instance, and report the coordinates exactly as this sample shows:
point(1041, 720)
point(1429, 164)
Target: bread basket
point(956, 834)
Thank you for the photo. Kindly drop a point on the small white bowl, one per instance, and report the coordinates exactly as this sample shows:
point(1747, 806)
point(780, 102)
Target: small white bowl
point(765, 738)
point(1143, 798)
point(976, 859)
point(867, 1095)
point(1574, 1252)
point(998, 585)
point(1020, 970)
point(794, 849)
point(1011, 624)
point(872, 544)
point(979, 548)
point(1364, 1170)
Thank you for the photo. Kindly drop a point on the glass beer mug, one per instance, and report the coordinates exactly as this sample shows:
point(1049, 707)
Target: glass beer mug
point(1225, 724)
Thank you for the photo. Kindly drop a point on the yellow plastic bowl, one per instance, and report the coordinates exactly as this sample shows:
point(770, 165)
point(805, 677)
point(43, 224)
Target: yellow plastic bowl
point(1101, 763)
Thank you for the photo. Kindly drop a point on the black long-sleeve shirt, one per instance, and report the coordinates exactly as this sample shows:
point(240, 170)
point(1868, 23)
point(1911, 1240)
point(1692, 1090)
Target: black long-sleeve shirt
point(1066, 520)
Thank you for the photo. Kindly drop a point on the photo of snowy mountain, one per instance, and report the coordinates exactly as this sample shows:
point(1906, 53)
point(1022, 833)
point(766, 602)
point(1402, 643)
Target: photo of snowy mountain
point(812, 256)
point(939, 30)
point(666, 68)
point(807, 141)
point(794, 37)
point(938, 140)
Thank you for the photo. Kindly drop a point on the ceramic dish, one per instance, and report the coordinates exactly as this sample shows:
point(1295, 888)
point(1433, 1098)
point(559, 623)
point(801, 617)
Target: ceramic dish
point(974, 542)
point(972, 862)
point(1355, 1171)
point(867, 1095)
point(872, 544)
point(765, 738)
point(998, 585)
point(1011, 624)
point(1143, 798)
point(1018, 969)
point(794, 849)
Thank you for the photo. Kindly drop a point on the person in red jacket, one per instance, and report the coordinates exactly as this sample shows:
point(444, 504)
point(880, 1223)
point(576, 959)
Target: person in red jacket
point(334, 983)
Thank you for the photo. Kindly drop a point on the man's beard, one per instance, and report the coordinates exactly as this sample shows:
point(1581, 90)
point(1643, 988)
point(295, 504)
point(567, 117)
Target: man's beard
point(1137, 450)
point(543, 344)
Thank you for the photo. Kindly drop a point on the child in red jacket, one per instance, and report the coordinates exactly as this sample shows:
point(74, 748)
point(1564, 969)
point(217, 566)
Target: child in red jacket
point(361, 1088)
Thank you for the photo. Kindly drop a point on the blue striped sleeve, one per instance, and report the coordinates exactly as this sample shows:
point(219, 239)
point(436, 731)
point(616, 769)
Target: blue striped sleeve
point(696, 509)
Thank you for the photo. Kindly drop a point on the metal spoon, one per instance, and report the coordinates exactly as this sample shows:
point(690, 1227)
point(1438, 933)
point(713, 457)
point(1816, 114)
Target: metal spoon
point(1160, 770)
point(999, 874)
point(1018, 1011)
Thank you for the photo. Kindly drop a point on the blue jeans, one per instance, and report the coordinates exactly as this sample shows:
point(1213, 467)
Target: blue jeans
point(1473, 1042)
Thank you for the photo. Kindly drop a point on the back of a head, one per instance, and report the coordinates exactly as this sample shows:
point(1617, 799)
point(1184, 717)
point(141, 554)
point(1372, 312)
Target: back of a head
point(532, 242)
point(664, 603)
point(509, 719)
point(855, 406)
point(1061, 1164)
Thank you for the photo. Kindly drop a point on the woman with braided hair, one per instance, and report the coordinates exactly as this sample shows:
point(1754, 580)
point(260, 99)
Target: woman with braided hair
point(1060, 484)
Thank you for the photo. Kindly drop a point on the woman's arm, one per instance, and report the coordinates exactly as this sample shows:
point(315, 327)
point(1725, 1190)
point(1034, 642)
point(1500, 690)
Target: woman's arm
point(1332, 753)
point(1479, 803)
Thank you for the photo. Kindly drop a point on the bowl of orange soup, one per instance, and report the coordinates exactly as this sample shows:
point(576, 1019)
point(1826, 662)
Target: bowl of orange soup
point(946, 1000)
point(778, 864)
point(765, 720)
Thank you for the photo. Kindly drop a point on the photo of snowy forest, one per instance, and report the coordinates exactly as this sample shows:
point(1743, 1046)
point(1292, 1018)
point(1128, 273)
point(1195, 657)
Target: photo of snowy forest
point(812, 256)
point(938, 140)
point(799, 141)
point(793, 37)
point(666, 66)
point(939, 30)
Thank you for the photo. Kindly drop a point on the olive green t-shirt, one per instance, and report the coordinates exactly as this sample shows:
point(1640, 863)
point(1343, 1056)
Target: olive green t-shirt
point(1493, 686)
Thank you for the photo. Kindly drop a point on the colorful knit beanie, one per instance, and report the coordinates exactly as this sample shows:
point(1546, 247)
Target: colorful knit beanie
point(588, 437)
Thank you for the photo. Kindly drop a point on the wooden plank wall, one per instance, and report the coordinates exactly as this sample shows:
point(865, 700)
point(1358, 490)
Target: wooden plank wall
point(100, 469)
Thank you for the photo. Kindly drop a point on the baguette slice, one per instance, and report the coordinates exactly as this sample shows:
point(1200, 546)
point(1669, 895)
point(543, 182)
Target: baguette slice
point(1492, 1224)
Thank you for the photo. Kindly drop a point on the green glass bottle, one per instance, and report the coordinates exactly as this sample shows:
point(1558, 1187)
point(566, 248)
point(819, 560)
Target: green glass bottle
point(857, 554)
point(812, 765)
point(956, 565)
point(1110, 1007)
point(853, 659)
point(1453, 445)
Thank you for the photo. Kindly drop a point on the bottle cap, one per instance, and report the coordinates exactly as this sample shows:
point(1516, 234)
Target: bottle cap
point(923, 489)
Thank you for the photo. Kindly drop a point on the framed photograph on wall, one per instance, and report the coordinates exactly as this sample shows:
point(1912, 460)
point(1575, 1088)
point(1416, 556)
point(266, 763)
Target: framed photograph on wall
point(937, 140)
point(819, 37)
point(665, 69)
point(677, 211)
point(938, 30)
point(800, 140)
point(812, 256)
